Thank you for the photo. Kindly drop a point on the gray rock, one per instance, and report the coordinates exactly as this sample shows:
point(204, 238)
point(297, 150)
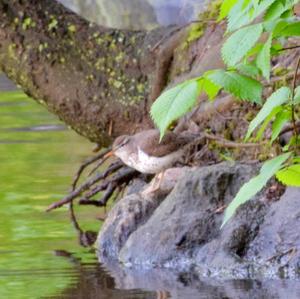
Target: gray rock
point(182, 230)
point(188, 220)
point(129, 213)
point(276, 247)
point(134, 210)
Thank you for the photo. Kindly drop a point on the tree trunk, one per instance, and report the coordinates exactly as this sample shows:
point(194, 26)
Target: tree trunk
point(99, 81)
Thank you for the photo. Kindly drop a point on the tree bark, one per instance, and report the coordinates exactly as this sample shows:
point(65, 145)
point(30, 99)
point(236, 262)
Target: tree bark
point(99, 81)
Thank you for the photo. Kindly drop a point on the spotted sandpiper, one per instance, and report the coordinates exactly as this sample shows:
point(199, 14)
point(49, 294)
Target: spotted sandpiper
point(145, 153)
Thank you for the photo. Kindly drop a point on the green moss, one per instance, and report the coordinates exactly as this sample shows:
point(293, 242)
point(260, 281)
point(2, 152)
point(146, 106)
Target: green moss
point(140, 88)
point(209, 15)
point(212, 11)
point(53, 24)
point(117, 84)
point(195, 32)
point(280, 71)
point(90, 77)
point(99, 41)
point(27, 22)
point(11, 50)
point(120, 57)
point(72, 28)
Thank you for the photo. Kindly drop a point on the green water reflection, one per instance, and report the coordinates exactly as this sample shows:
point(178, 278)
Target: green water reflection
point(38, 157)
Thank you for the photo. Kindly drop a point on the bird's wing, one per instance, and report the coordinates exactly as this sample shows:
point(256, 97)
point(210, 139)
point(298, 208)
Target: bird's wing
point(170, 143)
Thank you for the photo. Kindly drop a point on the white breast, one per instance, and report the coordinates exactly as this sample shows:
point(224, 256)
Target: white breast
point(148, 164)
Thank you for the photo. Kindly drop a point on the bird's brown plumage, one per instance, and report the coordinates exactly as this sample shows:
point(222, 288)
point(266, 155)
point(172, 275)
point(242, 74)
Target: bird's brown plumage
point(171, 142)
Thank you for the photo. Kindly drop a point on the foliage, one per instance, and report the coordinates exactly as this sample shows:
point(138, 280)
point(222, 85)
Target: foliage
point(175, 102)
point(249, 189)
point(257, 31)
point(279, 97)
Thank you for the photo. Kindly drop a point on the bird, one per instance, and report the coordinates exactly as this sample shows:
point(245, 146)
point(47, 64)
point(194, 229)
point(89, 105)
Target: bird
point(145, 152)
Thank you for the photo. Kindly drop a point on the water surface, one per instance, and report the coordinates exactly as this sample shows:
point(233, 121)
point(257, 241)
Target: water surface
point(38, 157)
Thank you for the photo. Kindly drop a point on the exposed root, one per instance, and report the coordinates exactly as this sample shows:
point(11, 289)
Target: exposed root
point(124, 176)
point(85, 238)
point(230, 144)
point(86, 164)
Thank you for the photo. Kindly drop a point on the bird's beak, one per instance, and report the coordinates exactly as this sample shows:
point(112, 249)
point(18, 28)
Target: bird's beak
point(109, 154)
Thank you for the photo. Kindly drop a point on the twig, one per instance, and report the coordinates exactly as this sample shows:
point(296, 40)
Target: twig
point(281, 254)
point(293, 105)
point(289, 48)
point(273, 80)
point(85, 164)
point(123, 176)
point(104, 199)
point(113, 167)
point(74, 219)
point(226, 143)
point(98, 165)
point(110, 128)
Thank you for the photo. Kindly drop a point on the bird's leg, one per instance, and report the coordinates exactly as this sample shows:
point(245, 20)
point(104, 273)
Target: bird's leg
point(155, 184)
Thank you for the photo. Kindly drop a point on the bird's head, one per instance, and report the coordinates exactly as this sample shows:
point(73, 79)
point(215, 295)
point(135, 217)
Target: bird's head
point(120, 145)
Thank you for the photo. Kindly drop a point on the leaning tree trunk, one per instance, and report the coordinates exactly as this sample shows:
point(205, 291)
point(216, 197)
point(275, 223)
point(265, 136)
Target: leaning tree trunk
point(99, 81)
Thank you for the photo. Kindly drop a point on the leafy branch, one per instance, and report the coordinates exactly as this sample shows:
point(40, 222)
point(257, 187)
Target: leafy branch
point(256, 32)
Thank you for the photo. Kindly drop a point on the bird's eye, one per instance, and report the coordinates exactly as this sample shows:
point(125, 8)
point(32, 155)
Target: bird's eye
point(125, 141)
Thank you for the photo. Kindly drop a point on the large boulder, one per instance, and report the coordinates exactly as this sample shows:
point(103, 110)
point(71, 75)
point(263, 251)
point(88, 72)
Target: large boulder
point(182, 230)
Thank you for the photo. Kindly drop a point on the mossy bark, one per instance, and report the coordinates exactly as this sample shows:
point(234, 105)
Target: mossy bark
point(99, 81)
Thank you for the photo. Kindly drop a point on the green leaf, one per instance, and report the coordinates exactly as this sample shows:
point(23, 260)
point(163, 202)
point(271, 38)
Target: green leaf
point(248, 69)
point(290, 175)
point(240, 42)
point(288, 14)
point(276, 49)
point(297, 95)
point(264, 57)
point(279, 27)
point(238, 15)
point(263, 5)
point(210, 88)
point(174, 103)
point(280, 120)
point(244, 12)
point(225, 8)
point(241, 86)
point(249, 189)
point(291, 142)
point(296, 159)
point(285, 29)
point(277, 9)
point(276, 99)
point(255, 49)
point(263, 127)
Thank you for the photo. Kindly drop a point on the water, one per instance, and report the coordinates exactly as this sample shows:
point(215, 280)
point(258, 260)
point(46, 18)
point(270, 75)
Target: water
point(37, 156)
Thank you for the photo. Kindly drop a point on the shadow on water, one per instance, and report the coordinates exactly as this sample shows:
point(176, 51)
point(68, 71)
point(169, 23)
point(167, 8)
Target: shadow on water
point(113, 281)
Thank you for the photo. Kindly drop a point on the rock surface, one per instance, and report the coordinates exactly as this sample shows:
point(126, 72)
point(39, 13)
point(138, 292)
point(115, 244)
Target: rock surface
point(182, 230)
